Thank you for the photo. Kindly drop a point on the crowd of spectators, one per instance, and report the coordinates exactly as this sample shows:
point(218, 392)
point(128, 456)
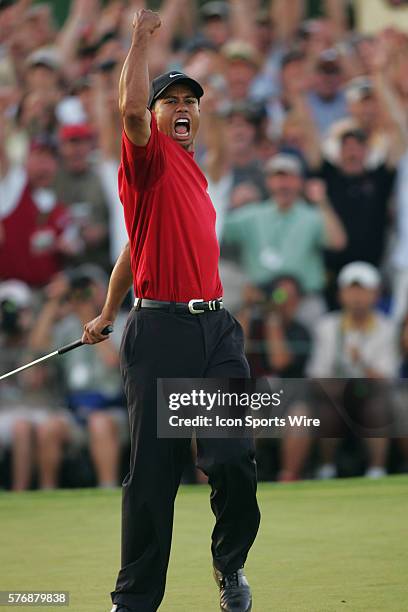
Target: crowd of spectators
point(304, 143)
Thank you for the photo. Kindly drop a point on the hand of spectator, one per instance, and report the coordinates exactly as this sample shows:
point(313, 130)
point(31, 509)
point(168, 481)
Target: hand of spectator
point(146, 21)
point(379, 57)
point(70, 244)
point(296, 90)
point(58, 288)
point(200, 68)
point(84, 309)
point(7, 95)
point(252, 295)
point(274, 319)
point(315, 191)
point(85, 9)
point(94, 234)
point(245, 193)
point(111, 17)
point(128, 16)
point(93, 330)
point(355, 355)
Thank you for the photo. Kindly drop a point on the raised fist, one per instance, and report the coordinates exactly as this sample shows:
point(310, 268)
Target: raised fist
point(145, 20)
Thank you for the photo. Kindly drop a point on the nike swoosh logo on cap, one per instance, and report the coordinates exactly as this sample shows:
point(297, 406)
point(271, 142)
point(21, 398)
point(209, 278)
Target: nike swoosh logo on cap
point(175, 74)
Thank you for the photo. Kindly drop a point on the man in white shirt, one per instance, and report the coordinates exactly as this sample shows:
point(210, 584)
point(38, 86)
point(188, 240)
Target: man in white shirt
point(356, 342)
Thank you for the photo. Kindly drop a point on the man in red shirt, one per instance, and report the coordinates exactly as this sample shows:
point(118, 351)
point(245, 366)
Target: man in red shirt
point(34, 225)
point(177, 329)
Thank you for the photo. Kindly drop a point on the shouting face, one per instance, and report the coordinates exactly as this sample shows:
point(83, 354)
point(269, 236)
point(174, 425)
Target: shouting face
point(177, 114)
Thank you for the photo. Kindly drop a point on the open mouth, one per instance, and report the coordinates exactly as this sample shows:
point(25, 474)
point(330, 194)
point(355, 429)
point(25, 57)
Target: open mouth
point(182, 127)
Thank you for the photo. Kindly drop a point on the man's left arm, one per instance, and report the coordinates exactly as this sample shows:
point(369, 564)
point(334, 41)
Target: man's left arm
point(334, 232)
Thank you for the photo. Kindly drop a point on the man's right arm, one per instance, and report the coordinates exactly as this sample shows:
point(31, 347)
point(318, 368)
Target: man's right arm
point(134, 83)
point(119, 284)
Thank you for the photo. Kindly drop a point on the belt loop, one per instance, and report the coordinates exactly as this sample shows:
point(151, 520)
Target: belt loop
point(138, 304)
point(172, 307)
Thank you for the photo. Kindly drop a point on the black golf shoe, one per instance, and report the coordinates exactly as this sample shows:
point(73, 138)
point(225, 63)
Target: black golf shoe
point(235, 593)
point(120, 608)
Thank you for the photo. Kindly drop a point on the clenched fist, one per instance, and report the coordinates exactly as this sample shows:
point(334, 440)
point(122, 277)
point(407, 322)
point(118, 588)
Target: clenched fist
point(146, 21)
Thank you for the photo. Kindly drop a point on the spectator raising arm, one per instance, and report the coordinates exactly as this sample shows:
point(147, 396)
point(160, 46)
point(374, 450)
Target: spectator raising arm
point(107, 117)
point(214, 137)
point(134, 79)
point(41, 336)
point(335, 234)
point(171, 13)
point(278, 350)
point(83, 13)
point(243, 14)
point(119, 285)
point(336, 12)
point(288, 15)
point(392, 113)
point(312, 150)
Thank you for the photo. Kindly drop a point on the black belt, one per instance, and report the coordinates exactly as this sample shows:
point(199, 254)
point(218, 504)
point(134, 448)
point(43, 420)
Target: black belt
point(196, 306)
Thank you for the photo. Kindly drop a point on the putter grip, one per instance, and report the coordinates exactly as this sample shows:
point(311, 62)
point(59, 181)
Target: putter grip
point(73, 345)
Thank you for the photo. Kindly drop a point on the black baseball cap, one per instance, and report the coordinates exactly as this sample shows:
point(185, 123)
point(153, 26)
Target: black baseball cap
point(163, 81)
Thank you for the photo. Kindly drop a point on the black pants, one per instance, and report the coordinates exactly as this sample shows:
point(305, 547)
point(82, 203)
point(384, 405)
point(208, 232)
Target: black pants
point(161, 344)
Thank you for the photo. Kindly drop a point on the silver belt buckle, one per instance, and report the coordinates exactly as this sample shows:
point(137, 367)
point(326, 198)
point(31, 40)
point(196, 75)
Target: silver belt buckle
point(191, 306)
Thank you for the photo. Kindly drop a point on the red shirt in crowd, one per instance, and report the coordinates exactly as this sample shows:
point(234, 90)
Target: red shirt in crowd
point(28, 238)
point(170, 220)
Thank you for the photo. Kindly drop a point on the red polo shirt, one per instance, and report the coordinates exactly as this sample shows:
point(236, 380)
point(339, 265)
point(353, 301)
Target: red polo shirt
point(170, 220)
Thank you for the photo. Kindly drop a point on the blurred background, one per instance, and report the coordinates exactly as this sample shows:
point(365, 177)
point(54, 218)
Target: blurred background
point(304, 143)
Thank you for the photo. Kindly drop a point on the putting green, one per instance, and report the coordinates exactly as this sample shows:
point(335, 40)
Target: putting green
point(322, 547)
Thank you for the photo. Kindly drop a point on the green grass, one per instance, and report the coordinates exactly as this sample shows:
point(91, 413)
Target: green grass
point(322, 547)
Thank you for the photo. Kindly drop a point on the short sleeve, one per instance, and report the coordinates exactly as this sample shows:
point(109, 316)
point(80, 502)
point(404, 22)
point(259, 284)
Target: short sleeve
point(143, 166)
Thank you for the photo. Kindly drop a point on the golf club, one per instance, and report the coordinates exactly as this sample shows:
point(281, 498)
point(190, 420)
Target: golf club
point(64, 349)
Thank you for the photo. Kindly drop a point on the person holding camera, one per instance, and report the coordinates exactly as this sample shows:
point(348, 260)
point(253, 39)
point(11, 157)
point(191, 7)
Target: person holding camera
point(23, 395)
point(90, 377)
point(77, 182)
point(278, 346)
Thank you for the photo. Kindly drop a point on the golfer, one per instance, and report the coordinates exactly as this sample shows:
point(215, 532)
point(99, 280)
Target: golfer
point(178, 328)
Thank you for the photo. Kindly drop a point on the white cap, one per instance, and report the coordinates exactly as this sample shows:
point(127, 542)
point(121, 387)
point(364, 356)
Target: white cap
point(359, 273)
point(46, 56)
point(17, 292)
point(284, 163)
point(70, 111)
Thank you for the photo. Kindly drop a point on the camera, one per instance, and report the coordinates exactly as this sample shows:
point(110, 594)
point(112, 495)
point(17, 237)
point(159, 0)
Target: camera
point(83, 279)
point(106, 66)
point(10, 318)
